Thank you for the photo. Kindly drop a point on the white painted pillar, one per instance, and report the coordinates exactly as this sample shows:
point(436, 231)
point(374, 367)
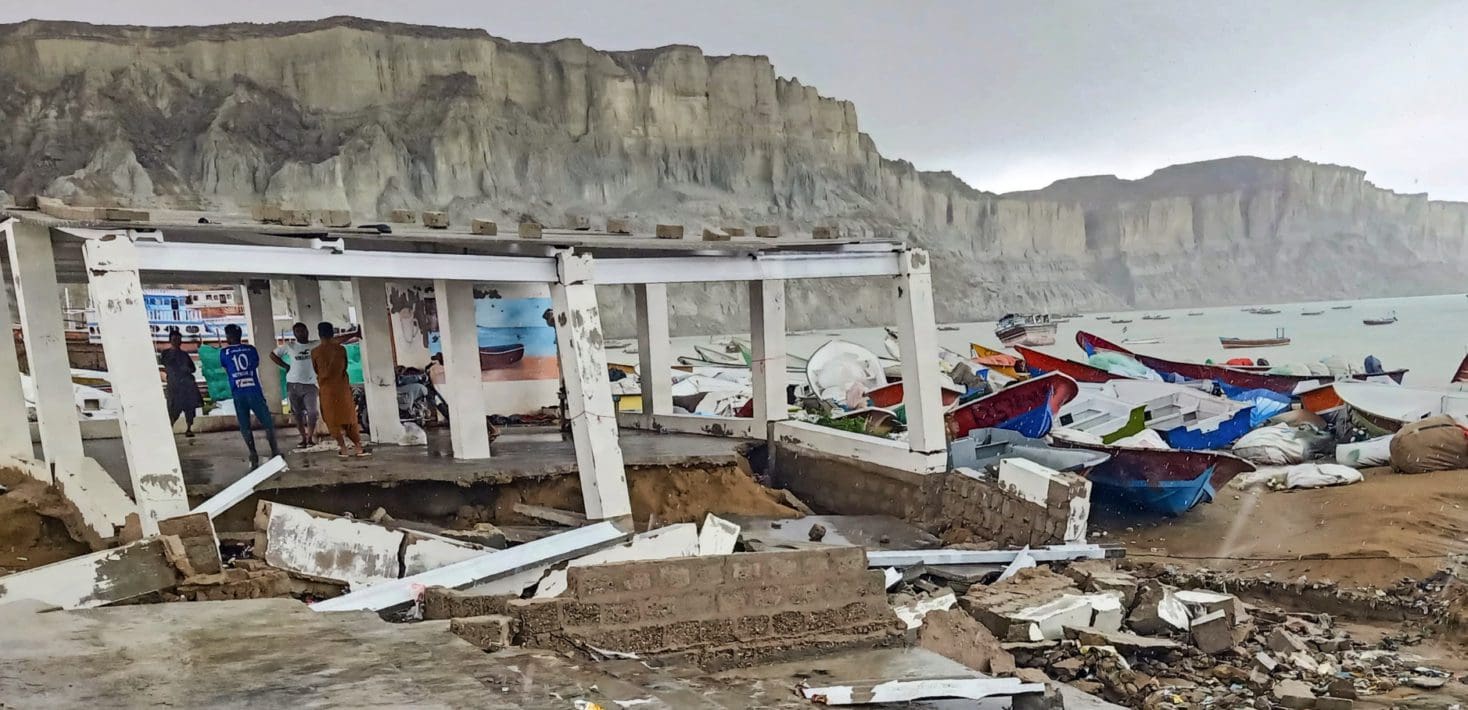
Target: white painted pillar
point(379, 376)
point(767, 346)
point(308, 301)
point(583, 361)
point(15, 429)
point(260, 318)
point(39, 299)
point(463, 387)
point(132, 366)
point(654, 351)
point(917, 336)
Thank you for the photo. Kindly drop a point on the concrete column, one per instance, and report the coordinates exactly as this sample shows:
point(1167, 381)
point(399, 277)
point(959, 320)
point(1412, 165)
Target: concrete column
point(39, 298)
point(260, 319)
point(463, 386)
point(308, 301)
point(767, 345)
point(132, 364)
point(917, 337)
point(379, 376)
point(15, 429)
point(654, 350)
point(588, 390)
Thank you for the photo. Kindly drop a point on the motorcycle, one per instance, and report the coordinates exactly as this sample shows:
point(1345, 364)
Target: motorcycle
point(415, 399)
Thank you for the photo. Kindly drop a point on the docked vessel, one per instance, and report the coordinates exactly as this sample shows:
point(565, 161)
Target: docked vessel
point(1026, 329)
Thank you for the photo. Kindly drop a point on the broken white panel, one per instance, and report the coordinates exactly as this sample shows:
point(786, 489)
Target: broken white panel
point(241, 489)
point(491, 565)
point(717, 536)
point(38, 300)
point(901, 691)
point(1052, 553)
point(315, 544)
point(681, 540)
point(425, 551)
point(1172, 610)
point(103, 505)
point(1078, 518)
point(95, 580)
point(1048, 620)
point(1022, 560)
point(32, 468)
point(890, 577)
point(912, 613)
point(1029, 480)
point(1109, 611)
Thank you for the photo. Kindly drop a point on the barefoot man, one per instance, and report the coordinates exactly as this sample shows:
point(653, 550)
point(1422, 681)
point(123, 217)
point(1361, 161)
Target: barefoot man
point(338, 410)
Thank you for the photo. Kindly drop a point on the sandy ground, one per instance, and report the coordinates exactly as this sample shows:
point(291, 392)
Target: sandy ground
point(670, 495)
point(31, 529)
point(1375, 532)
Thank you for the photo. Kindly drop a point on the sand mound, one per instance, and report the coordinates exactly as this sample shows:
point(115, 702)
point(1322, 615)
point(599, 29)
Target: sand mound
point(672, 495)
point(31, 529)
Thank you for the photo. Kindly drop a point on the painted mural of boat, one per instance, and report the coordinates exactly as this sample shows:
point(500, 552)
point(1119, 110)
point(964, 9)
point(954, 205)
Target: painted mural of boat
point(1387, 408)
point(1185, 417)
point(1160, 480)
point(1039, 363)
point(1025, 329)
point(1232, 377)
point(1028, 407)
point(499, 357)
point(983, 448)
point(1102, 415)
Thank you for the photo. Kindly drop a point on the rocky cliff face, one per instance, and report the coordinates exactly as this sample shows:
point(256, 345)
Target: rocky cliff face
point(347, 113)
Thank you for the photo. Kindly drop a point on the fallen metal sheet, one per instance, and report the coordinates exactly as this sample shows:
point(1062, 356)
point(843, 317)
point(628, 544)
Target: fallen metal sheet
point(1053, 553)
point(874, 532)
point(681, 540)
point(97, 579)
point(899, 691)
point(717, 537)
point(489, 566)
point(241, 489)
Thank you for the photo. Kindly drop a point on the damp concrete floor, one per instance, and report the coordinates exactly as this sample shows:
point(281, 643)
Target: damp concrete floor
point(213, 460)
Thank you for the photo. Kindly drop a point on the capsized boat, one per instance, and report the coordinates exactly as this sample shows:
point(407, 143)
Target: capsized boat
point(1228, 376)
point(1102, 415)
point(983, 448)
point(1386, 408)
point(1039, 363)
point(1160, 480)
point(1028, 407)
point(1186, 418)
point(1025, 329)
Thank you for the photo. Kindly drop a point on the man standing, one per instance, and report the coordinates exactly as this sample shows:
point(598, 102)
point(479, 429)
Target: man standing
point(240, 362)
point(300, 382)
point(337, 408)
point(181, 392)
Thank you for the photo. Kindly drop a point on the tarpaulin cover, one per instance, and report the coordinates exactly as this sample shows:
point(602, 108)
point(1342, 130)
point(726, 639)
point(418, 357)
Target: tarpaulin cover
point(1282, 444)
point(1267, 403)
point(1434, 444)
point(1119, 364)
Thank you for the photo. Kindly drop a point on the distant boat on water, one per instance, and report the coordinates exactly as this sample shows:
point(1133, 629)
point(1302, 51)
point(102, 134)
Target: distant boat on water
point(1155, 316)
point(1386, 320)
point(1103, 317)
point(1264, 311)
point(1232, 343)
point(1025, 329)
point(1196, 313)
point(1311, 313)
point(1122, 320)
point(1341, 308)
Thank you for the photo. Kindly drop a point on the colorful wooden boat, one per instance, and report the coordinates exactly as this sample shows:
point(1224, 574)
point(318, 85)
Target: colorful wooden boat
point(1103, 416)
point(1025, 329)
point(499, 357)
point(1320, 399)
point(1028, 407)
point(1186, 418)
point(1235, 343)
point(1159, 480)
point(1038, 363)
point(983, 448)
point(998, 361)
point(890, 395)
point(1388, 407)
point(1230, 376)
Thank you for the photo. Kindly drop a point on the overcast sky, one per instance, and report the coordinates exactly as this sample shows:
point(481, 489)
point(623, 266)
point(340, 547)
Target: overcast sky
point(1013, 95)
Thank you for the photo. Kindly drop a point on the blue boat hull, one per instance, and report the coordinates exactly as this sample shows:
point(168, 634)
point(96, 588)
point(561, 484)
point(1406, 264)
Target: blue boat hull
point(1189, 439)
point(1166, 497)
point(1034, 424)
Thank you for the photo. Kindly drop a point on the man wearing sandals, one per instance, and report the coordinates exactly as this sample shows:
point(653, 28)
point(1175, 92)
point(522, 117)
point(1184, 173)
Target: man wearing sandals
point(338, 410)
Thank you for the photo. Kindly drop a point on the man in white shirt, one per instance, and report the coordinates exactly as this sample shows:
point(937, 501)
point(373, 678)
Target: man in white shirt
point(300, 382)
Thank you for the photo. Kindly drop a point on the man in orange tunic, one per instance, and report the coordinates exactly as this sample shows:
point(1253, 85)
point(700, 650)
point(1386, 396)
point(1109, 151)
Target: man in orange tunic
point(338, 411)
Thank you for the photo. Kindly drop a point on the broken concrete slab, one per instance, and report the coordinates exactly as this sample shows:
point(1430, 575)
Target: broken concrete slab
point(899, 691)
point(197, 542)
point(105, 510)
point(717, 537)
point(97, 579)
point(325, 546)
point(487, 633)
point(1293, 694)
point(1126, 642)
point(1157, 610)
point(996, 606)
point(874, 532)
point(1102, 576)
point(241, 489)
point(1048, 621)
point(1282, 641)
point(1212, 633)
point(912, 613)
point(681, 540)
point(958, 636)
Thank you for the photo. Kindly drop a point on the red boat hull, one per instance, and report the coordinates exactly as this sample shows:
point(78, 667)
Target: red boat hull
point(1078, 371)
point(1051, 391)
point(890, 395)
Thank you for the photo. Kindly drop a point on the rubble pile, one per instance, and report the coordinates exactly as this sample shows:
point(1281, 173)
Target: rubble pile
point(1435, 599)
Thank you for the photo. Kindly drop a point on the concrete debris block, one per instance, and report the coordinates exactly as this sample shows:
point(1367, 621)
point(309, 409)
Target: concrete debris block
point(735, 231)
point(824, 233)
point(1048, 621)
point(488, 633)
point(717, 537)
point(1102, 576)
point(402, 217)
point(767, 231)
point(619, 225)
point(1342, 688)
point(1201, 602)
point(530, 230)
point(1334, 704)
point(1157, 610)
point(1212, 633)
point(669, 231)
point(997, 606)
point(324, 546)
point(295, 217)
point(334, 218)
point(199, 544)
point(959, 637)
point(269, 214)
point(912, 613)
point(1051, 490)
point(484, 227)
point(435, 220)
point(817, 532)
point(1293, 694)
point(94, 580)
point(1282, 641)
point(1125, 642)
point(1109, 611)
point(681, 540)
point(445, 603)
point(579, 223)
point(1266, 661)
point(569, 518)
point(905, 691)
point(792, 501)
point(232, 583)
point(710, 235)
point(1305, 662)
point(1022, 560)
point(105, 512)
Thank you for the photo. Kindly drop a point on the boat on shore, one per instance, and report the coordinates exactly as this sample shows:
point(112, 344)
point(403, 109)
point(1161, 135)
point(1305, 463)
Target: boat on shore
point(1262, 311)
point(1156, 316)
point(1039, 363)
point(983, 448)
point(1185, 417)
point(1235, 343)
point(1025, 329)
point(1028, 407)
point(998, 361)
point(1101, 415)
point(1160, 480)
point(1122, 320)
point(1387, 408)
point(1195, 313)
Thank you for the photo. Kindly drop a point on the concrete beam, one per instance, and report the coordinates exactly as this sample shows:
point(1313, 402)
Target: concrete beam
point(654, 350)
point(127, 343)
point(260, 319)
point(308, 301)
point(769, 360)
point(38, 297)
point(459, 339)
point(837, 444)
point(917, 336)
point(379, 375)
point(240, 489)
point(15, 440)
point(97, 579)
point(583, 361)
point(737, 427)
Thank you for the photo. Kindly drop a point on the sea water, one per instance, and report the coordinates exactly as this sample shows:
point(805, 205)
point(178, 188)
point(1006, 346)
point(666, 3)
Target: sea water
point(1429, 338)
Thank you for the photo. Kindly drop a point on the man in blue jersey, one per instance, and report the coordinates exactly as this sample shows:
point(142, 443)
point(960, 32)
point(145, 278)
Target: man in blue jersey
point(240, 362)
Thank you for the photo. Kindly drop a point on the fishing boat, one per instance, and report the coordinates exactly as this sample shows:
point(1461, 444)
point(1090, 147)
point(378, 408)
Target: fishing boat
point(1195, 313)
point(1235, 343)
point(1156, 316)
point(1462, 374)
point(1025, 329)
point(1384, 409)
point(1311, 313)
point(890, 395)
point(1103, 317)
point(499, 357)
point(1000, 362)
point(1264, 311)
point(1141, 341)
point(1028, 407)
point(1122, 320)
point(838, 366)
point(1384, 320)
point(1229, 377)
point(1186, 418)
point(1039, 363)
point(983, 448)
point(1340, 308)
point(1159, 480)
point(1100, 415)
